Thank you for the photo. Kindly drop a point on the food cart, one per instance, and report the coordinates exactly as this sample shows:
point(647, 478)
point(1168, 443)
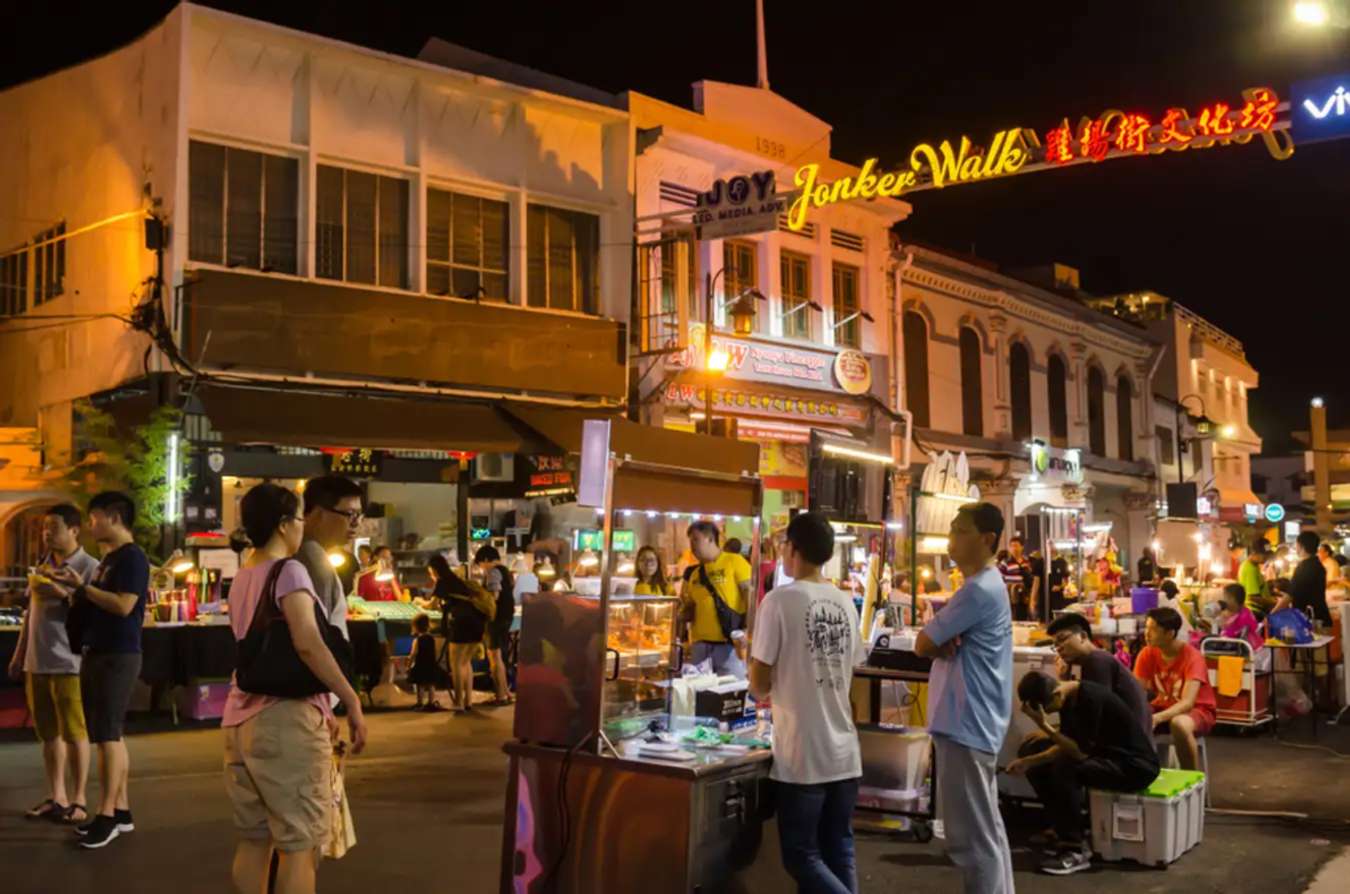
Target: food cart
point(592, 805)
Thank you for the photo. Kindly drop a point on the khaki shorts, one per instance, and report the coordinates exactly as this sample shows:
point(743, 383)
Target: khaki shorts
point(54, 702)
point(278, 774)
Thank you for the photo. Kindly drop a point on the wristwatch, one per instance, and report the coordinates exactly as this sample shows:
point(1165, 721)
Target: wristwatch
point(80, 592)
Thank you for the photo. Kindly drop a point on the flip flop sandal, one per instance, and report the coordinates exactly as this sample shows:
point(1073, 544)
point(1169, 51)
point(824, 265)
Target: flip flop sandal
point(46, 810)
point(68, 815)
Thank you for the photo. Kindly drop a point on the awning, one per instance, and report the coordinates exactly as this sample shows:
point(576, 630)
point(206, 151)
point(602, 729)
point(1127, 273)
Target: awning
point(245, 415)
point(560, 425)
point(1237, 498)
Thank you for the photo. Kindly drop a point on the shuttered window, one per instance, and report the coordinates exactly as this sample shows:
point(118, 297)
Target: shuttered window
point(467, 239)
point(562, 259)
point(243, 208)
point(361, 227)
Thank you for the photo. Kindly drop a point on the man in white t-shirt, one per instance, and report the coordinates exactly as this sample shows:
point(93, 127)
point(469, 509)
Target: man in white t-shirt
point(805, 646)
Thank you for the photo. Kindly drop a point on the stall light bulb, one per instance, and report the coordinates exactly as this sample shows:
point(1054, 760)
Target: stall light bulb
point(588, 560)
point(719, 360)
point(895, 526)
point(717, 518)
point(627, 512)
point(1197, 537)
point(1157, 546)
point(384, 576)
point(925, 572)
point(1216, 568)
point(336, 559)
point(652, 513)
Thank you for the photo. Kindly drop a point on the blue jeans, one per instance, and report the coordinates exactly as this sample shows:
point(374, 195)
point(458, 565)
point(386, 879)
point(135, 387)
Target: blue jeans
point(815, 830)
point(723, 655)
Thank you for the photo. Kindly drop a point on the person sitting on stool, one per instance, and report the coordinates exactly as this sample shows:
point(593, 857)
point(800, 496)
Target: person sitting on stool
point(1099, 744)
point(1175, 674)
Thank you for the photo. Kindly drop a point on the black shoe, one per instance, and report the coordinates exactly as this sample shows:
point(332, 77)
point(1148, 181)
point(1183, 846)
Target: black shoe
point(124, 821)
point(1067, 862)
point(83, 828)
point(102, 831)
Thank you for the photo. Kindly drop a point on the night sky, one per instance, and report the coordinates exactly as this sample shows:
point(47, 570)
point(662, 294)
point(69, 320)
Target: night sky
point(1255, 245)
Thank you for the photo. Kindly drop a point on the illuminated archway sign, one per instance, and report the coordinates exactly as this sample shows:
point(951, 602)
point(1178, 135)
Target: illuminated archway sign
point(1021, 150)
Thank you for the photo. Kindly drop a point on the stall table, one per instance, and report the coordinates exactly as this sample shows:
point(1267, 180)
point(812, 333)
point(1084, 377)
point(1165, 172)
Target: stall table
point(649, 826)
point(1309, 652)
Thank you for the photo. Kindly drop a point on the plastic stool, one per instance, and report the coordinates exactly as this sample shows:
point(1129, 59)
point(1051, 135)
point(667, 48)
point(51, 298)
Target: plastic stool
point(1169, 759)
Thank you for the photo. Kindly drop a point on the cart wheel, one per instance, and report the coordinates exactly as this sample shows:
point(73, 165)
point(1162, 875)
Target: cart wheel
point(923, 831)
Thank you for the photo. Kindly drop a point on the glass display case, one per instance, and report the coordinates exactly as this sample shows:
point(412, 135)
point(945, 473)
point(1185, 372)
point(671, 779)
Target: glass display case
point(640, 650)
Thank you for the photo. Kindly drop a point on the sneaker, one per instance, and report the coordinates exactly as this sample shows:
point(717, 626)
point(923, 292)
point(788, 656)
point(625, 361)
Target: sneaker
point(1067, 862)
point(101, 831)
point(124, 821)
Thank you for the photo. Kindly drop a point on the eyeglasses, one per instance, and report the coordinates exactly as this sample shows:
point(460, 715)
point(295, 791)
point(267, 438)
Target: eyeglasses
point(353, 517)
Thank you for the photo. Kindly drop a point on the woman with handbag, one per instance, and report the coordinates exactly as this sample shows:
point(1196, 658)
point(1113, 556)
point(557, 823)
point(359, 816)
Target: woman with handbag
point(278, 721)
point(464, 627)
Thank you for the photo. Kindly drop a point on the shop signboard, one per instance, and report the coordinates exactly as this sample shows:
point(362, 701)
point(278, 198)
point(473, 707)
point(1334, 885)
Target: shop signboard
point(594, 472)
point(624, 541)
point(356, 463)
point(1291, 531)
point(1274, 513)
point(549, 476)
point(1320, 109)
point(1252, 511)
point(776, 363)
point(739, 206)
point(853, 372)
point(768, 403)
point(1051, 465)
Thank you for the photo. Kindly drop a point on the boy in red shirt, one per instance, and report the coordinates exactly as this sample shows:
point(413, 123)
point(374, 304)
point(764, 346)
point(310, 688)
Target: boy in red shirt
point(1175, 675)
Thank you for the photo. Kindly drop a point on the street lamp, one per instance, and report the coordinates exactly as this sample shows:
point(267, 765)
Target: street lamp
point(715, 362)
point(1311, 13)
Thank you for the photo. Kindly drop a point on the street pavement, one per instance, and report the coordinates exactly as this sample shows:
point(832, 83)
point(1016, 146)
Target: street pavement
point(427, 800)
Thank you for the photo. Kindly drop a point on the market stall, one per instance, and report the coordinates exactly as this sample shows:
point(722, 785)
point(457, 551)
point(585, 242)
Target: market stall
point(625, 776)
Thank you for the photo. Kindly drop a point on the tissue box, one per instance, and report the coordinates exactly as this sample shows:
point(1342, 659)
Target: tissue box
point(724, 703)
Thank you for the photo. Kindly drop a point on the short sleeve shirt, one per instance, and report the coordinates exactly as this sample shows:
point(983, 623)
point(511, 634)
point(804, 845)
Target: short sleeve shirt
point(124, 570)
point(245, 593)
point(970, 694)
point(808, 633)
point(1166, 680)
point(726, 573)
point(48, 649)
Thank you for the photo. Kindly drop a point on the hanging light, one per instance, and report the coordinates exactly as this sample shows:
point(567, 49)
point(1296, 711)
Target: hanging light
point(337, 558)
point(545, 570)
point(183, 566)
point(742, 314)
point(588, 559)
point(625, 566)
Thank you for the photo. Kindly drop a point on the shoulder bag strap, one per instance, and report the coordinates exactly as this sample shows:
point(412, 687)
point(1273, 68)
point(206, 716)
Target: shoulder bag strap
point(267, 609)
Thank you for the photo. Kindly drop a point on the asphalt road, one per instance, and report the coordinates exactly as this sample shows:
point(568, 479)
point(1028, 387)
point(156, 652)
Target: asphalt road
point(428, 803)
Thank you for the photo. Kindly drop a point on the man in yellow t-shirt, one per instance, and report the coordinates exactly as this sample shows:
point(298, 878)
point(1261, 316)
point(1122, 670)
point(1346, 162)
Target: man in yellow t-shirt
point(729, 574)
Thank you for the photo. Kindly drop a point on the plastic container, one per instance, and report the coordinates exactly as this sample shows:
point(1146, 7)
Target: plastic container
point(895, 759)
point(1154, 826)
point(1143, 599)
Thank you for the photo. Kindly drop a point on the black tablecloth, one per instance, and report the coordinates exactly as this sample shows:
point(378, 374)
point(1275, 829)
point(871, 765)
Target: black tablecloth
point(9, 641)
point(174, 656)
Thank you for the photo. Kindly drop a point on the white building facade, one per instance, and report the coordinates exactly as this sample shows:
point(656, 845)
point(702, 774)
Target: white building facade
point(1045, 397)
point(340, 221)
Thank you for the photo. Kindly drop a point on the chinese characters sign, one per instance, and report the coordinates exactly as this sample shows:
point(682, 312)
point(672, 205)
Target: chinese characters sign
point(359, 463)
point(1113, 134)
point(549, 476)
point(733, 401)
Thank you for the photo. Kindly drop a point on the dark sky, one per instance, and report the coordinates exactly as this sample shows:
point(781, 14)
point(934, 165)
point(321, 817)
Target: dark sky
point(1257, 246)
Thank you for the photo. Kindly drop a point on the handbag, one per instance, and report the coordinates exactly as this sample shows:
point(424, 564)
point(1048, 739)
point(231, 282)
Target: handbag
point(341, 831)
point(1290, 625)
point(266, 662)
point(727, 618)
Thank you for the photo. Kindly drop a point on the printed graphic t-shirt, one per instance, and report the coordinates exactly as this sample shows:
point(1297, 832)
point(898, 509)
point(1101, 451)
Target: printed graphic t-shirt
point(808, 632)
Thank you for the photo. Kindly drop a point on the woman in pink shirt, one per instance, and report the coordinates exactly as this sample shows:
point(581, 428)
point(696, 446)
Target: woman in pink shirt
point(277, 750)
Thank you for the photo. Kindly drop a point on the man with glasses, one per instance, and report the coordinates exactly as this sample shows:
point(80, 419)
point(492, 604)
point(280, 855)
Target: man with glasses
point(1073, 644)
point(332, 514)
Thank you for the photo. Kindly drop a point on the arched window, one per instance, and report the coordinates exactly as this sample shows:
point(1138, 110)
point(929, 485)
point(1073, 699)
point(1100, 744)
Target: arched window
point(1019, 362)
point(1125, 417)
point(916, 367)
point(1056, 380)
point(1096, 383)
point(972, 401)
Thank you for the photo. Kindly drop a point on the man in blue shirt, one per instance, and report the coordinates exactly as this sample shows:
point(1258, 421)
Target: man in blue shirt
point(970, 702)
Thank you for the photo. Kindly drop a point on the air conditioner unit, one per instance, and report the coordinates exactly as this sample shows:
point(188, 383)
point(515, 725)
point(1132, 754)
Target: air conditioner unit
point(495, 467)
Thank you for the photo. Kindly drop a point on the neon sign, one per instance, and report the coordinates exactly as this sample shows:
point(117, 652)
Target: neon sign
point(1340, 100)
point(929, 166)
point(1320, 109)
point(1113, 134)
